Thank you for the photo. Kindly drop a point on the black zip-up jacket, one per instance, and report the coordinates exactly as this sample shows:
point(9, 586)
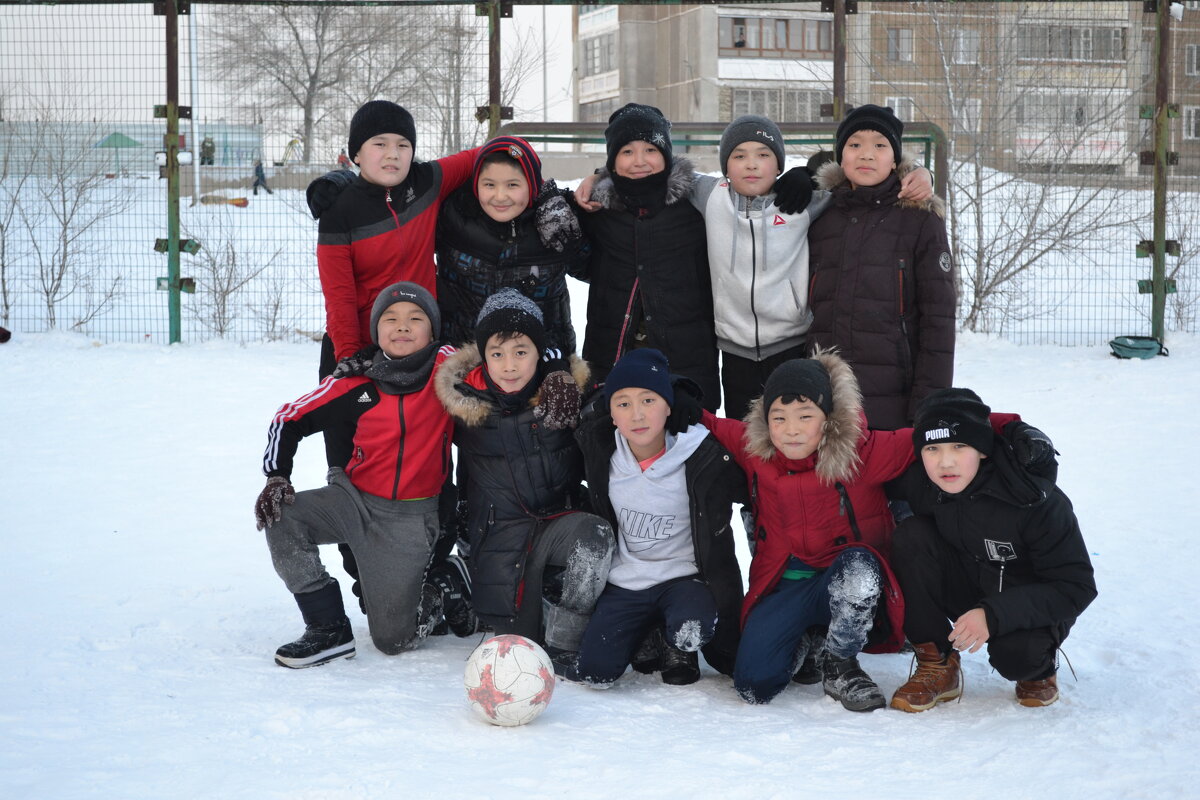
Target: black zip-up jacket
point(714, 483)
point(1017, 537)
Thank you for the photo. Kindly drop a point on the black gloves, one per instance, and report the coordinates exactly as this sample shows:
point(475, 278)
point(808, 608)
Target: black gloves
point(557, 224)
point(357, 364)
point(323, 192)
point(559, 406)
point(1033, 449)
point(793, 189)
point(686, 409)
point(269, 505)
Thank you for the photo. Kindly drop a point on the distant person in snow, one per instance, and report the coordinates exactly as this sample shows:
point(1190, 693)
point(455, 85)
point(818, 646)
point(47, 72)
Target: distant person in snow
point(260, 177)
point(993, 556)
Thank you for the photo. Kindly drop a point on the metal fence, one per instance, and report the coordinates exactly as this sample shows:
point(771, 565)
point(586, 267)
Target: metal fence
point(1041, 105)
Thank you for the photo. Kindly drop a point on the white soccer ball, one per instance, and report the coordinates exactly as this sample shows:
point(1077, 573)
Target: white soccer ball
point(509, 680)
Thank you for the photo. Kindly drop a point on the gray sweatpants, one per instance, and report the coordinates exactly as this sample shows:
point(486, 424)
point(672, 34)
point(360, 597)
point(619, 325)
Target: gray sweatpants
point(391, 539)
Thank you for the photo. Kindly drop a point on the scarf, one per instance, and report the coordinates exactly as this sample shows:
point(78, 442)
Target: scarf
point(643, 197)
point(404, 375)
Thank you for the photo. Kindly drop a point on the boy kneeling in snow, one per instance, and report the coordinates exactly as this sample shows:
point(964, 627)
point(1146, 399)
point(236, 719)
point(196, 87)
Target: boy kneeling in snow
point(992, 547)
point(537, 562)
point(384, 505)
point(668, 490)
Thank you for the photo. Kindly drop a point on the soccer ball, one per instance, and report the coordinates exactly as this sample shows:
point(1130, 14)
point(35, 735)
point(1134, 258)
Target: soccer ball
point(509, 680)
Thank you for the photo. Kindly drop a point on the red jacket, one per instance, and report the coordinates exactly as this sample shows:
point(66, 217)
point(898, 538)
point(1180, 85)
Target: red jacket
point(798, 507)
point(374, 236)
point(401, 442)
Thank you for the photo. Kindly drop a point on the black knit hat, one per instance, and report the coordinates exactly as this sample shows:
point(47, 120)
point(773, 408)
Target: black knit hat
point(509, 311)
point(405, 292)
point(634, 122)
point(871, 118)
point(751, 128)
point(644, 368)
point(805, 377)
point(521, 153)
point(953, 415)
point(376, 117)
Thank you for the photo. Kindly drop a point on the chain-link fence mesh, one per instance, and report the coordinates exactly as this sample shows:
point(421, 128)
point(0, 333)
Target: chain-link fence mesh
point(1040, 103)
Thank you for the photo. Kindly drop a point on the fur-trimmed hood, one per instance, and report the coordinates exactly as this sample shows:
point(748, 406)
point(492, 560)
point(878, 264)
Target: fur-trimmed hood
point(679, 186)
point(837, 457)
point(471, 406)
point(831, 177)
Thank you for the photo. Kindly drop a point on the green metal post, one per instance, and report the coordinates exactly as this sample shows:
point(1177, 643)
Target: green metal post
point(171, 143)
point(1162, 145)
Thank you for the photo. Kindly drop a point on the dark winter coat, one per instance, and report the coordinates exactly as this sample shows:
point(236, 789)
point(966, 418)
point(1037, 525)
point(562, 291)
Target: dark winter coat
point(520, 476)
point(1017, 537)
point(373, 236)
point(401, 442)
point(650, 273)
point(477, 256)
point(882, 292)
point(714, 484)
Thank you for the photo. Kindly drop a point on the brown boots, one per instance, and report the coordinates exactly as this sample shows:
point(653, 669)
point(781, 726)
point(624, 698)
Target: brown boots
point(1035, 694)
point(936, 680)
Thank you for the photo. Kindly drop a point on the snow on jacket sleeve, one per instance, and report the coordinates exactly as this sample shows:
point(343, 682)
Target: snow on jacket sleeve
point(933, 362)
point(322, 408)
point(1064, 583)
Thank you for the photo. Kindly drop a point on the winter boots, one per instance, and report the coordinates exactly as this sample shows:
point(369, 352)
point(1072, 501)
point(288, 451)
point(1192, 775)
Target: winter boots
point(327, 633)
point(936, 679)
point(454, 581)
point(845, 681)
point(809, 671)
point(1035, 694)
point(679, 667)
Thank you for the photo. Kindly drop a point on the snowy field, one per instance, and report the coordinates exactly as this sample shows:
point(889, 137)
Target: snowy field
point(143, 613)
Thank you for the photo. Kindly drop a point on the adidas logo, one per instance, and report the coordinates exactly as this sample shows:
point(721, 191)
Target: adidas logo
point(365, 397)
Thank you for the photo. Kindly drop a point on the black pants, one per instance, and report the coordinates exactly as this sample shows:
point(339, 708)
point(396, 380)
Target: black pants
point(939, 585)
point(742, 379)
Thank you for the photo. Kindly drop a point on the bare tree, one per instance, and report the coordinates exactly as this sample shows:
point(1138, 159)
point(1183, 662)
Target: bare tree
point(293, 64)
point(1019, 131)
point(226, 267)
point(16, 170)
point(64, 212)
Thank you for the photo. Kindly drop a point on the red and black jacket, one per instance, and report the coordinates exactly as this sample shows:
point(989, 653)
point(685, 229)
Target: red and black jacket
point(401, 442)
point(374, 236)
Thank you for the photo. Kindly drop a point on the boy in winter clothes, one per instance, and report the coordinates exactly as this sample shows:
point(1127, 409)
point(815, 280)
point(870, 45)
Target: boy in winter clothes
point(537, 561)
point(669, 495)
point(822, 531)
point(993, 548)
point(882, 278)
point(508, 228)
point(383, 505)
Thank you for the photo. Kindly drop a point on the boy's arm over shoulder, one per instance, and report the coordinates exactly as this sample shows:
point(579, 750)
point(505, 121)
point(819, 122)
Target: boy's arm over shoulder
point(456, 170)
point(729, 432)
point(1064, 583)
point(702, 189)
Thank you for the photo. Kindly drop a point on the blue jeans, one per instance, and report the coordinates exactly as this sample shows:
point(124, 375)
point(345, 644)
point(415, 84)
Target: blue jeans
point(842, 596)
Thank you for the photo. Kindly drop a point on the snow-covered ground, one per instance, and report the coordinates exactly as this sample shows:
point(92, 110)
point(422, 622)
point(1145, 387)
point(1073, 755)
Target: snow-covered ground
point(142, 613)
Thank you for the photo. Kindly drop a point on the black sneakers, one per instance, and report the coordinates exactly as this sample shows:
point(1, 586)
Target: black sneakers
point(320, 644)
point(452, 578)
point(679, 668)
point(845, 681)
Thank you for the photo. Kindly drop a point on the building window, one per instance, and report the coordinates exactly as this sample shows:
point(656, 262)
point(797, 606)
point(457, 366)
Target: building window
point(589, 9)
point(1192, 66)
point(899, 44)
point(904, 108)
point(781, 105)
point(755, 37)
point(598, 111)
point(1075, 110)
point(1061, 42)
point(966, 46)
point(1191, 122)
point(599, 54)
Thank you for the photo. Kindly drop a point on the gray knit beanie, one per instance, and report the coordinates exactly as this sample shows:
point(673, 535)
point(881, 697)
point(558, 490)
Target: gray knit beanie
point(751, 128)
point(406, 292)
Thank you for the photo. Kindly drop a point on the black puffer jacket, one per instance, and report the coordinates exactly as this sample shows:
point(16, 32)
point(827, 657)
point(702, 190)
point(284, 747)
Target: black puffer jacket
point(664, 254)
point(1017, 537)
point(714, 484)
point(882, 292)
point(477, 256)
point(520, 476)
